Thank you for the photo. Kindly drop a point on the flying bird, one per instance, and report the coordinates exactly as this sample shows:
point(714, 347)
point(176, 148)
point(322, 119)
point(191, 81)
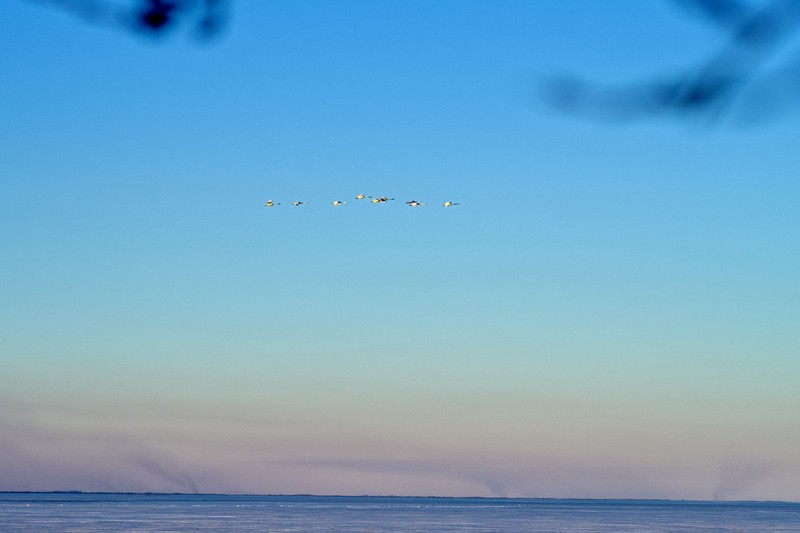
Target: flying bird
point(379, 200)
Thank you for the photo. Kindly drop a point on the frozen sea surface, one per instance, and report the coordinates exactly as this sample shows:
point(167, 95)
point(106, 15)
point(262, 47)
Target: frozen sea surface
point(68, 512)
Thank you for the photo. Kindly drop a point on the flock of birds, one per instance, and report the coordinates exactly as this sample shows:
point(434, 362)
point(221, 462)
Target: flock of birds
point(376, 200)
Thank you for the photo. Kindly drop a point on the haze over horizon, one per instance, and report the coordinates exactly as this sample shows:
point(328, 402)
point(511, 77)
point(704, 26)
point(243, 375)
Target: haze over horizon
point(610, 312)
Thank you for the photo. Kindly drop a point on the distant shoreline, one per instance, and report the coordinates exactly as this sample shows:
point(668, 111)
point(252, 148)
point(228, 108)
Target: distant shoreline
point(378, 496)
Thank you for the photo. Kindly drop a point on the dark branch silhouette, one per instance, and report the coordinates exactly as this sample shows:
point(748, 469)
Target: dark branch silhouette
point(710, 88)
point(151, 17)
point(754, 36)
point(724, 13)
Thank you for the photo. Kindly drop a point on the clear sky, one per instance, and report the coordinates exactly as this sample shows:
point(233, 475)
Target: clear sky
point(612, 311)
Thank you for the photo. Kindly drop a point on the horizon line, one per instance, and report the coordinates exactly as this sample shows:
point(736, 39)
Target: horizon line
point(309, 495)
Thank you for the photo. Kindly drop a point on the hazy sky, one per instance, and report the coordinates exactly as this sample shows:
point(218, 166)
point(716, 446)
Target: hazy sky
point(612, 311)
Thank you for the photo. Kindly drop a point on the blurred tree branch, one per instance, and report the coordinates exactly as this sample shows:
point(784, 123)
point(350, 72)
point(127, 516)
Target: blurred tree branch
point(753, 37)
point(153, 17)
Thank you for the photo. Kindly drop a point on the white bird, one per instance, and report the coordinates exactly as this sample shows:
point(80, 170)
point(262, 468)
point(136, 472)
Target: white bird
point(337, 203)
point(298, 203)
point(449, 204)
point(414, 203)
point(270, 203)
point(381, 200)
point(361, 197)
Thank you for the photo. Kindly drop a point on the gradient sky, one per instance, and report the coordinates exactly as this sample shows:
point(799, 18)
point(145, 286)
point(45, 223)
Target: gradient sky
point(612, 311)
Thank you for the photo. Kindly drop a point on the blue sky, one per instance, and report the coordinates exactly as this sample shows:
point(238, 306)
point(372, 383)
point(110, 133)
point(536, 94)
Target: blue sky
point(610, 312)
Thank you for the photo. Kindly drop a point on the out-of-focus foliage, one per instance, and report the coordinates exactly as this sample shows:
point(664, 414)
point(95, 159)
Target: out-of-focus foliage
point(708, 89)
point(153, 17)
